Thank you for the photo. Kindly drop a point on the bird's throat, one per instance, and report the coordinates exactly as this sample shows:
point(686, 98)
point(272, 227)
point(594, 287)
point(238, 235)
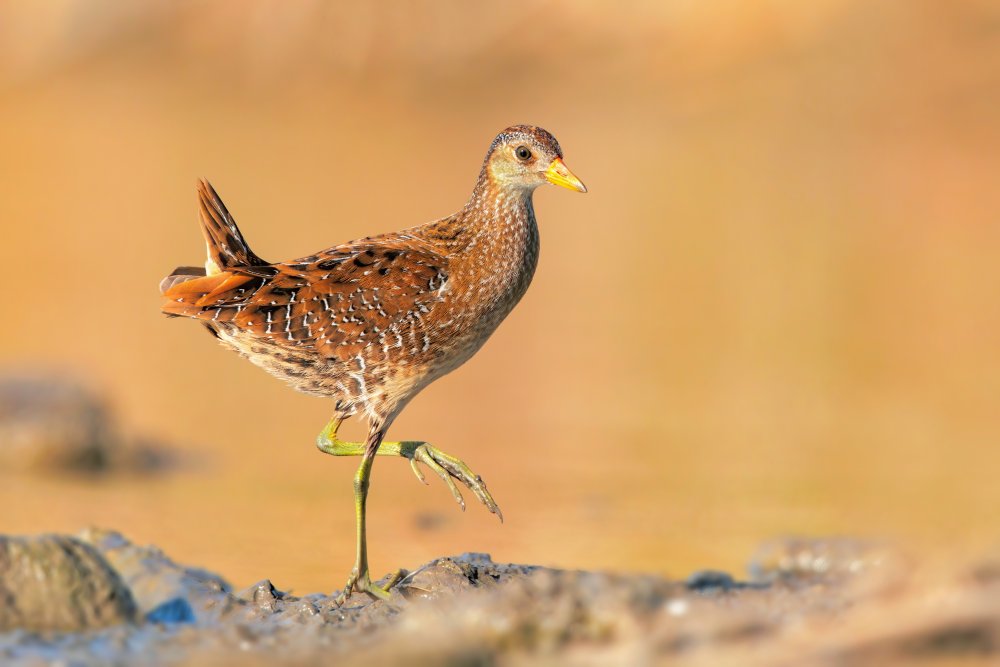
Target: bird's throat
point(502, 243)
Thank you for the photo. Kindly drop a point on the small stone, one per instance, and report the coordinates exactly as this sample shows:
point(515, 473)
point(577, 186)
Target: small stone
point(177, 610)
point(262, 594)
point(705, 581)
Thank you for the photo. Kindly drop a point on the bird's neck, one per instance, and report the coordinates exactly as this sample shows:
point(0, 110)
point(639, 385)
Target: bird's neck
point(501, 225)
point(492, 243)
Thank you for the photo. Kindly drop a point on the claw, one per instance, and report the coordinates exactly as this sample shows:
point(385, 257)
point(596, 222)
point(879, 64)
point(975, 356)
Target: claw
point(417, 471)
point(352, 581)
point(364, 584)
point(451, 486)
point(449, 469)
point(424, 453)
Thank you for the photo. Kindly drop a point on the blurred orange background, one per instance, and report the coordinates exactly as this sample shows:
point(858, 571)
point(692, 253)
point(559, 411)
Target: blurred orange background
point(776, 312)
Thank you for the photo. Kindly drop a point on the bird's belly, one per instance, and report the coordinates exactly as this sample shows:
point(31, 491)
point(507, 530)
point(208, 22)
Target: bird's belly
point(302, 370)
point(382, 378)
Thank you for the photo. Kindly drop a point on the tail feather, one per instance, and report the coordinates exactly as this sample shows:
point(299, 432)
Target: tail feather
point(231, 265)
point(226, 246)
point(179, 275)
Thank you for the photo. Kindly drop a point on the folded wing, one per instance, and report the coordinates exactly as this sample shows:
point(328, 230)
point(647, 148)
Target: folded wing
point(336, 302)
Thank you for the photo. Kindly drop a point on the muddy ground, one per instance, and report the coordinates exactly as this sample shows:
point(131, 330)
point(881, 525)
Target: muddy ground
point(96, 598)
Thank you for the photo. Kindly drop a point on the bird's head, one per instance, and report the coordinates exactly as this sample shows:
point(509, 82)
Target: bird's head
point(522, 157)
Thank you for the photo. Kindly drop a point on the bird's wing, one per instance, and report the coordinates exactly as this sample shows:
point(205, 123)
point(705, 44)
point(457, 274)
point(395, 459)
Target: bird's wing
point(336, 302)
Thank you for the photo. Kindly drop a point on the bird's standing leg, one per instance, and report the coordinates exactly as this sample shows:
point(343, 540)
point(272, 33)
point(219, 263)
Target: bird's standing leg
point(360, 579)
point(448, 468)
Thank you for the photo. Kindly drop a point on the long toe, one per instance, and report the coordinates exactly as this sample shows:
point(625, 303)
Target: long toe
point(448, 468)
point(363, 584)
point(348, 588)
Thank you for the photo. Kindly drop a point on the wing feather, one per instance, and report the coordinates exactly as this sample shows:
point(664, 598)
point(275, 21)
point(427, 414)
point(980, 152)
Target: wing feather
point(336, 302)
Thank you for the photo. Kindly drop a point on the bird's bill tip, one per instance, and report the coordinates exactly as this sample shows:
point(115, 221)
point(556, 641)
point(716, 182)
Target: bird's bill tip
point(559, 174)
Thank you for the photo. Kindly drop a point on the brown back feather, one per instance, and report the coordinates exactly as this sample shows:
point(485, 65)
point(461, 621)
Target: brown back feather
point(336, 302)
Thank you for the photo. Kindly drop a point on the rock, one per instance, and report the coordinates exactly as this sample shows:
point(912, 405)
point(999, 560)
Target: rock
point(177, 610)
point(155, 580)
point(448, 576)
point(708, 581)
point(262, 594)
point(51, 424)
point(48, 423)
point(55, 582)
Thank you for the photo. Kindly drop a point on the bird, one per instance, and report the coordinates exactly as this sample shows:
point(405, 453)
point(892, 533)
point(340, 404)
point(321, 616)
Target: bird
point(372, 322)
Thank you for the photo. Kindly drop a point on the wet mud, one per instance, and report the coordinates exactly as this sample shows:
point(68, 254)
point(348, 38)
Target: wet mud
point(97, 598)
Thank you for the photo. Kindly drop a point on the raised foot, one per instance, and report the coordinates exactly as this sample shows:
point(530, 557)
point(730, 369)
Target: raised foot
point(449, 468)
point(364, 584)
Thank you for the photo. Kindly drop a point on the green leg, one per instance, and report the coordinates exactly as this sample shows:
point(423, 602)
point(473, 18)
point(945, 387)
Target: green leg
point(360, 579)
point(447, 467)
point(444, 465)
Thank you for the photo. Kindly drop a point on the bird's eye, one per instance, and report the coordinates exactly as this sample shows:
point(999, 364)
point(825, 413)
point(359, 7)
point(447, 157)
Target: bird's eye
point(522, 153)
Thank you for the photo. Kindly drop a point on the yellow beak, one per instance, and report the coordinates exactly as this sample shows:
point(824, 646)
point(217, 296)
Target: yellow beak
point(559, 174)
